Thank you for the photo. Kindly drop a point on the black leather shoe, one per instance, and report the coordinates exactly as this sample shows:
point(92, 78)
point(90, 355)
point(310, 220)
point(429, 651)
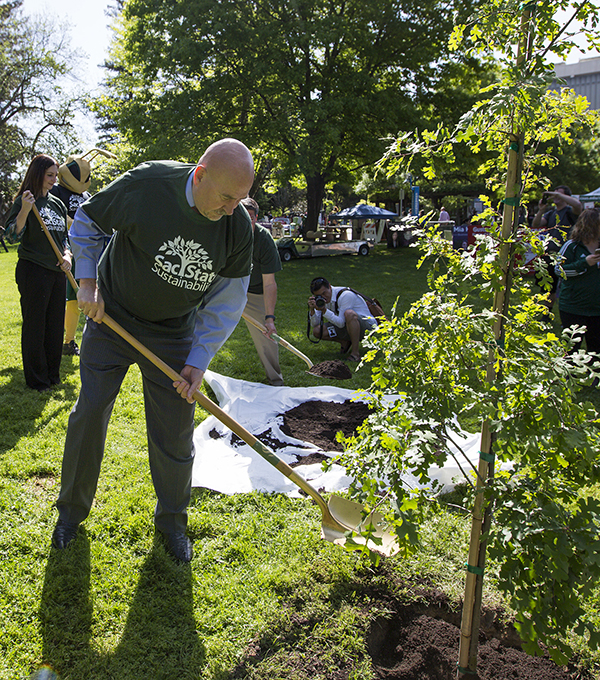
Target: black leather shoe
point(64, 533)
point(70, 349)
point(179, 546)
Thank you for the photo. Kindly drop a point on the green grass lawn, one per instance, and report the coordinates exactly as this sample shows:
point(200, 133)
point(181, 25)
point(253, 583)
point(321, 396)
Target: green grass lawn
point(115, 605)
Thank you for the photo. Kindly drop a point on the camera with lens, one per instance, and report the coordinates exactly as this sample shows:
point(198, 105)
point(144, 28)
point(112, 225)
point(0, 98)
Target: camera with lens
point(320, 302)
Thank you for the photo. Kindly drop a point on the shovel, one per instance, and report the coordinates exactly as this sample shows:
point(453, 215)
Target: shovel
point(278, 340)
point(340, 516)
point(318, 370)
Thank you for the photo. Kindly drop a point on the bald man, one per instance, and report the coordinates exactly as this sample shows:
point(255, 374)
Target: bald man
point(175, 275)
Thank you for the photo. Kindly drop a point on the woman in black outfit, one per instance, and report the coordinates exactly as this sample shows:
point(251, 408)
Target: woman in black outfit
point(39, 278)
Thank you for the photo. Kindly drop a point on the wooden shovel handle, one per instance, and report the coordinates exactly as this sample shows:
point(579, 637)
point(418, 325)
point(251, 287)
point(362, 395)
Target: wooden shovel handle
point(59, 255)
point(277, 339)
point(218, 412)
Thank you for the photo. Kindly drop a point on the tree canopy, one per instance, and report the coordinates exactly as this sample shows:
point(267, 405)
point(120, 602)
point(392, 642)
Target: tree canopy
point(35, 113)
point(313, 85)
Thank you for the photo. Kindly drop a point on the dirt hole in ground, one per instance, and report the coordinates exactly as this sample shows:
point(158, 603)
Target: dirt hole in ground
point(413, 641)
point(417, 641)
point(413, 645)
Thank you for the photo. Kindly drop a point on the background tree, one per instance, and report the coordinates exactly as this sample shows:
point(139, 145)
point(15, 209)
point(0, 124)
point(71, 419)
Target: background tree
point(36, 115)
point(318, 83)
point(579, 166)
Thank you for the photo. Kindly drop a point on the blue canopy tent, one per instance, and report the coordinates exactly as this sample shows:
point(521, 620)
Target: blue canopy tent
point(366, 212)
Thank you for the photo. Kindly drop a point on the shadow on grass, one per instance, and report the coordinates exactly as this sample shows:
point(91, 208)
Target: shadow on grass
point(22, 407)
point(66, 608)
point(159, 640)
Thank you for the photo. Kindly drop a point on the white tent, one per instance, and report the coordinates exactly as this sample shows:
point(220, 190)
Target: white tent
point(591, 197)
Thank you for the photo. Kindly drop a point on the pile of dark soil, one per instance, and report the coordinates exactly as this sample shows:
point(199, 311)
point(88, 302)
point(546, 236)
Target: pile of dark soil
point(318, 422)
point(335, 369)
point(418, 646)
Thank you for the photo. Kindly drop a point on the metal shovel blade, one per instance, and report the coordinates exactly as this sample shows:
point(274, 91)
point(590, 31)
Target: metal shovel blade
point(350, 514)
point(339, 515)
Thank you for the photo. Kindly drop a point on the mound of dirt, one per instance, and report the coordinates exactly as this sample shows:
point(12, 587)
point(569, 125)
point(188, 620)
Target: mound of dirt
point(331, 369)
point(318, 422)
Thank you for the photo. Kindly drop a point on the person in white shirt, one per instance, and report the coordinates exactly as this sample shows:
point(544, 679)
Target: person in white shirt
point(339, 314)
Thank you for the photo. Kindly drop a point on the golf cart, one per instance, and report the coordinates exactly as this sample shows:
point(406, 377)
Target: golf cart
point(290, 248)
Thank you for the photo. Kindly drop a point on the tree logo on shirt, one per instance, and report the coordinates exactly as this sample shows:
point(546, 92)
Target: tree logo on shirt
point(184, 264)
point(53, 221)
point(75, 200)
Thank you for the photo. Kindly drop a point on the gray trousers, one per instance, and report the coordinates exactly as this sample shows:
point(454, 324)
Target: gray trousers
point(104, 361)
point(268, 351)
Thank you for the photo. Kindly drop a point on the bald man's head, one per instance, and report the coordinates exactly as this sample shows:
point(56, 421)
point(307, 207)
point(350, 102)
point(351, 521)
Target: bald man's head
point(223, 177)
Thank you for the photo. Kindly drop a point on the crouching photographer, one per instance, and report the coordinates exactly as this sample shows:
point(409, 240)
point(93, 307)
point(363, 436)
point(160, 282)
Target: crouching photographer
point(339, 314)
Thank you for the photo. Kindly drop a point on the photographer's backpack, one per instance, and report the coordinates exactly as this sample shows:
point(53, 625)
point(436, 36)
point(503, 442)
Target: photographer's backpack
point(375, 308)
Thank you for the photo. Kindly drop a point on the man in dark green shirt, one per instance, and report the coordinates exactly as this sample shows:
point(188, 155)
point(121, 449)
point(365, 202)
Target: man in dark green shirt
point(175, 275)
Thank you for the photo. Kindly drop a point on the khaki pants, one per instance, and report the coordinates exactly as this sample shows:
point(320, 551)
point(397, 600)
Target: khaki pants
point(268, 351)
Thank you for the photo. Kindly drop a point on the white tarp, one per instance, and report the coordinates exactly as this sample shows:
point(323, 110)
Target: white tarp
point(230, 469)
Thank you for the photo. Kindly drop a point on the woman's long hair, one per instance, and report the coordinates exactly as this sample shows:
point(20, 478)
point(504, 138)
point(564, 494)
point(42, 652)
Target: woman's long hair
point(587, 227)
point(34, 177)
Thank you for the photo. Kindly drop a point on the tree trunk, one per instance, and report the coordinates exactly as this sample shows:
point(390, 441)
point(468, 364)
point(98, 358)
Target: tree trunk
point(482, 511)
point(315, 190)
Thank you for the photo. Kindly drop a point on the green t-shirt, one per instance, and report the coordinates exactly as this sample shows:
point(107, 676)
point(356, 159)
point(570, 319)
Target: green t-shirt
point(579, 289)
point(265, 258)
point(33, 243)
point(164, 255)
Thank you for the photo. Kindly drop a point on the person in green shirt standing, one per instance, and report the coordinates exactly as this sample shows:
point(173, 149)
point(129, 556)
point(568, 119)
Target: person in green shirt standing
point(262, 295)
point(579, 272)
point(175, 275)
point(41, 282)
